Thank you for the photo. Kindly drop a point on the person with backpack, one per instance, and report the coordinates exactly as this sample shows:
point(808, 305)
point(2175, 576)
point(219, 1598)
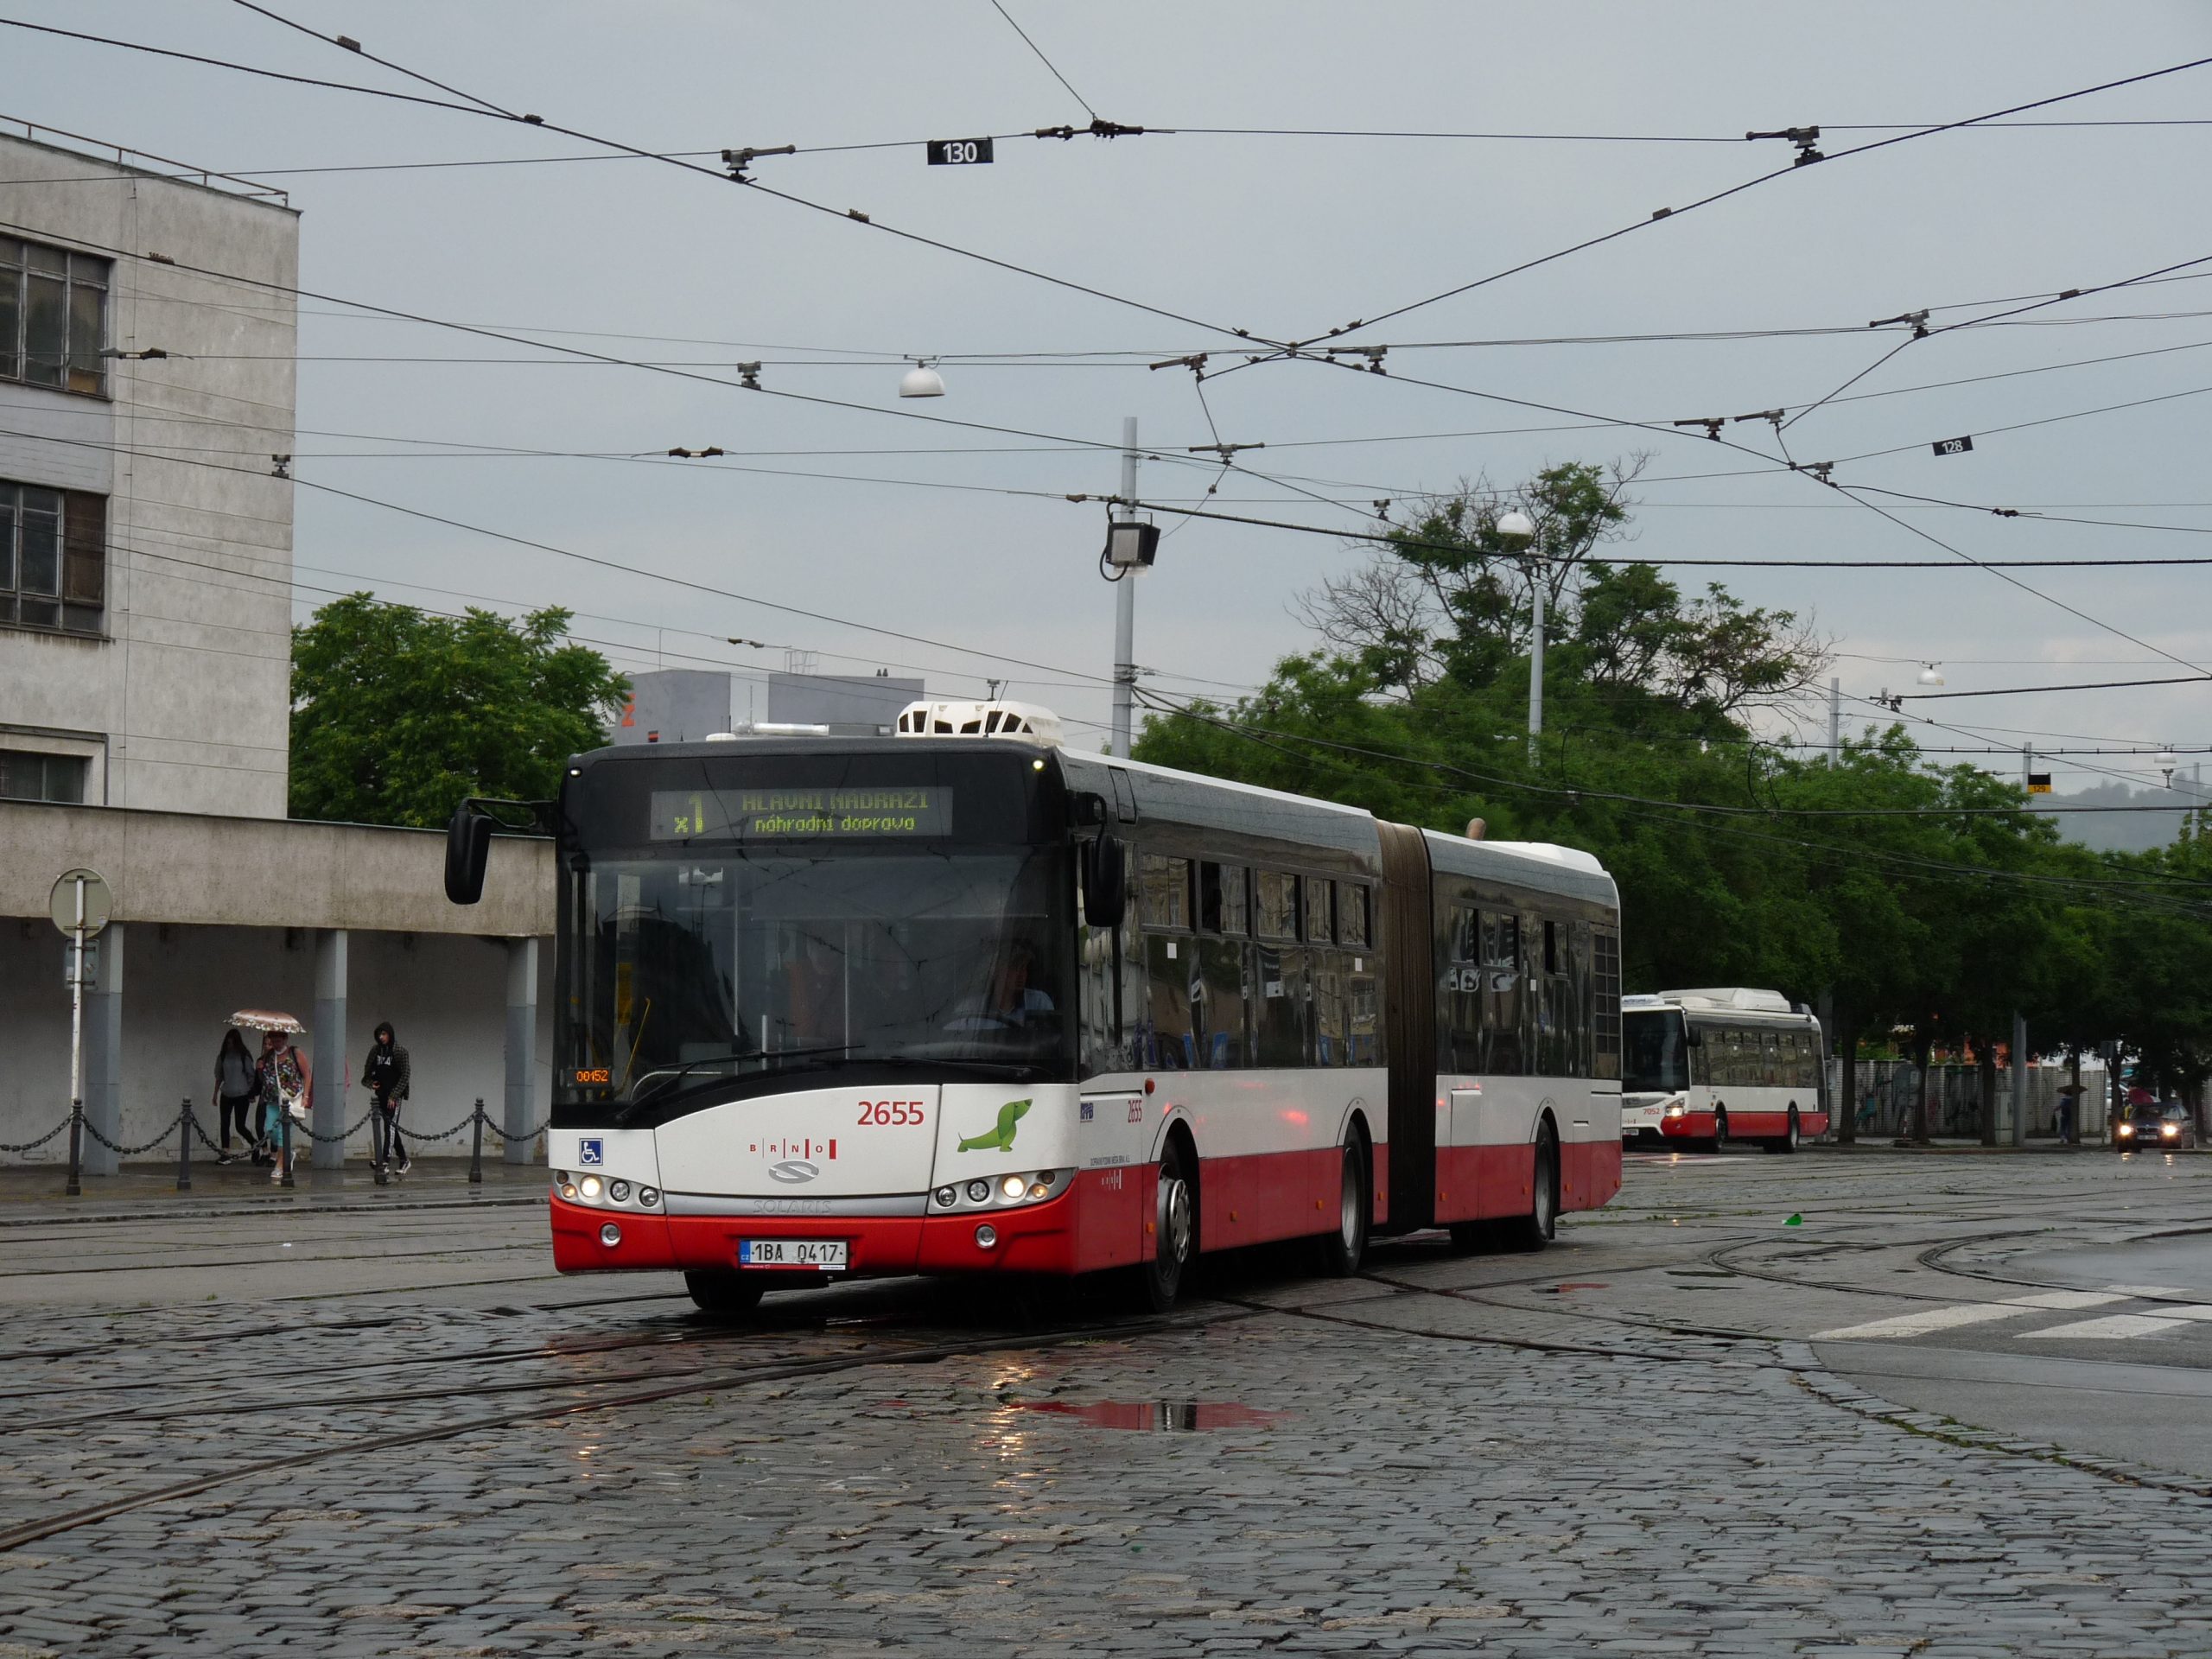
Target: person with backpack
point(236, 1081)
point(386, 1073)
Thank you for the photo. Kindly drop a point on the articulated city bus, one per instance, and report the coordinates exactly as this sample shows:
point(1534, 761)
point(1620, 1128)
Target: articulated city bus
point(1702, 1068)
point(960, 999)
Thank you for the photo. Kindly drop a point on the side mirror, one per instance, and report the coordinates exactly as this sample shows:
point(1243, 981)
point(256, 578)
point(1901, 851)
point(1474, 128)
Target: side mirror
point(468, 850)
point(1105, 881)
point(1695, 1038)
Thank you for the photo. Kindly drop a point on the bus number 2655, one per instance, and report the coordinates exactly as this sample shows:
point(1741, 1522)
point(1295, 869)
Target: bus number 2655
point(891, 1111)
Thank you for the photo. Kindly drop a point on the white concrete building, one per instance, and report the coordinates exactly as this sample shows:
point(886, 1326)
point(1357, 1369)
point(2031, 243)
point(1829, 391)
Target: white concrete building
point(145, 543)
point(147, 349)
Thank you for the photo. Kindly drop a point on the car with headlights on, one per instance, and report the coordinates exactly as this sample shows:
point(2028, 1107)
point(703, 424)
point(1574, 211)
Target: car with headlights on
point(2164, 1128)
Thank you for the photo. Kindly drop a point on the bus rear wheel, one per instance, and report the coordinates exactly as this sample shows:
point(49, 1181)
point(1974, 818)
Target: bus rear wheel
point(1343, 1249)
point(1175, 1231)
point(1535, 1229)
point(1787, 1142)
point(725, 1294)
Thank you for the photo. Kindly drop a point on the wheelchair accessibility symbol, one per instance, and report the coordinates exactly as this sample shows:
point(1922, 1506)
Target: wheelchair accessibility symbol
point(593, 1151)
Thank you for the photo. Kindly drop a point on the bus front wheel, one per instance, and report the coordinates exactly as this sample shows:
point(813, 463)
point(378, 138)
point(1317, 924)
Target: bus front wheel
point(724, 1294)
point(1175, 1230)
point(1718, 1141)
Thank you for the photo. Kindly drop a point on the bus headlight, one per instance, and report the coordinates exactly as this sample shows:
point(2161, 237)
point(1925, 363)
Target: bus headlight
point(1012, 1186)
point(978, 1191)
point(567, 1189)
point(589, 1186)
point(946, 1197)
point(619, 1191)
point(648, 1197)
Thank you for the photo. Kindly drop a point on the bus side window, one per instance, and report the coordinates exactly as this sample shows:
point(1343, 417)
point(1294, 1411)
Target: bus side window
point(1319, 909)
point(1771, 1072)
point(1167, 891)
point(1275, 914)
point(1503, 1014)
point(1352, 927)
point(1222, 902)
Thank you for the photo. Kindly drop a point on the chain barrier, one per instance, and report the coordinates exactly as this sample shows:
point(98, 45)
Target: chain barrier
point(191, 1118)
point(168, 1130)
point(343, 1136)
point(33, 1145)
point(443, 1134)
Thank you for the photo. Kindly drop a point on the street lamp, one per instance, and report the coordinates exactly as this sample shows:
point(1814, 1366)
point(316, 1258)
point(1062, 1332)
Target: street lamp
point(1517, 526)
point(1931, 674)
point(2166, 761)
point(922, 380)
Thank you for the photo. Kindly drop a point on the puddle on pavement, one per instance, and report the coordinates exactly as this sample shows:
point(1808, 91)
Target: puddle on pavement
point(1158, 1416)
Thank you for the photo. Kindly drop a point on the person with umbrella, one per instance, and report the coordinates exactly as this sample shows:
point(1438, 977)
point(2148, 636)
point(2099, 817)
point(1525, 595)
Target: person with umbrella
point(285, 1081)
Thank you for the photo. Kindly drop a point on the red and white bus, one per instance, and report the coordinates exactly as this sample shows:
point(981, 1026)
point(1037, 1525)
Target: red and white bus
point(1701, 1068)
point(962, 1001)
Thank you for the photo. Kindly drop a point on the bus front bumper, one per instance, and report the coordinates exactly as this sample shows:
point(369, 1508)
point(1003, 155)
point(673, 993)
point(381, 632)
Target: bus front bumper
point(1039, 1238)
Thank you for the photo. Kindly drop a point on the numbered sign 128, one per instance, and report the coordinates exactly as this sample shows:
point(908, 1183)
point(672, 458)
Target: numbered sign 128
point(959, 152)
point(1953, 446)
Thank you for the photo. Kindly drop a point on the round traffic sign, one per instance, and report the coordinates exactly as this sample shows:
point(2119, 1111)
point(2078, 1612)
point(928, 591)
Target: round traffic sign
point(100, 901)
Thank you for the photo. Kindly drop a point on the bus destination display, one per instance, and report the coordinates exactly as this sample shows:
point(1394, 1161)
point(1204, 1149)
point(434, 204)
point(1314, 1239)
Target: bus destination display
point(777, 814)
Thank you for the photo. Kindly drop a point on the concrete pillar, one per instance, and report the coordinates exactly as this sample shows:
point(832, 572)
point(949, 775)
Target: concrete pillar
point(104, 1052)
point(515, 1121)
point(328, 1058)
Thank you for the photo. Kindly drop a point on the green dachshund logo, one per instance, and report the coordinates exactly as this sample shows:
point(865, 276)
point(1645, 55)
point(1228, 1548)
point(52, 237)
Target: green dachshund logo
point(999, 1138)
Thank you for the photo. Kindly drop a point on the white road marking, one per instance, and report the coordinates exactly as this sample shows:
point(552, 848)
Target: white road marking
point(2069, 1298)
point(1920, 1324)
point(1946, 1319)
point(2151, 1293)
point(2112, 1326)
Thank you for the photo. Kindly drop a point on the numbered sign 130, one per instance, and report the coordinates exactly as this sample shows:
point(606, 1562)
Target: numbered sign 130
point(959, 152)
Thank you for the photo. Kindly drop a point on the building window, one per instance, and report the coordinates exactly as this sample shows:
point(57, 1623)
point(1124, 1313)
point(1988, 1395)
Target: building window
point(52, 317)
point(53, 558)
point(26, 776)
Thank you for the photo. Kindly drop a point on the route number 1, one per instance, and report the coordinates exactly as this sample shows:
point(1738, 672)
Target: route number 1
point(959, 152)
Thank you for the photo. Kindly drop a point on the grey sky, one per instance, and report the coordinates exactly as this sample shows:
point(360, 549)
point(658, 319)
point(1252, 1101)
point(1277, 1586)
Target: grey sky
point(1286, 237)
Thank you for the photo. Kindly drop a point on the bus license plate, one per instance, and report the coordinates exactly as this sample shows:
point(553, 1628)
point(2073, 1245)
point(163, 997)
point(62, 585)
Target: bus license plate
point(827, 1253)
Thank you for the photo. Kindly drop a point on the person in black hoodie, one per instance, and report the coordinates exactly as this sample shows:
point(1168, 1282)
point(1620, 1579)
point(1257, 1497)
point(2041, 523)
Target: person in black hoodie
point(385, 1072)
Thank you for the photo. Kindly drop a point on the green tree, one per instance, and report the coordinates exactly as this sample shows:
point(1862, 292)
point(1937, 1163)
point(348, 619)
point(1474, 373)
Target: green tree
point(397, 714)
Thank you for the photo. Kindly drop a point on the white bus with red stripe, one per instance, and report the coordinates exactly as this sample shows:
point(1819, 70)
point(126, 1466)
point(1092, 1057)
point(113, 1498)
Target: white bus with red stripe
point(960, 1000)
point(1702, 1068)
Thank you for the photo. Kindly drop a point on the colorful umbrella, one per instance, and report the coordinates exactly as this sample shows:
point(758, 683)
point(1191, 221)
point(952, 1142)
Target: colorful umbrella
point(265, 1020)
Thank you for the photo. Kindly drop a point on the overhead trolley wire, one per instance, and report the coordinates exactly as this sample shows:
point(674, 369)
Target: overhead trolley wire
point(1736, 189)
point(484, 109)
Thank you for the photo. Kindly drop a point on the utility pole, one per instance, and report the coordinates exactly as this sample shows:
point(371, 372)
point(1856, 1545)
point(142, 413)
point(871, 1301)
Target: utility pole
point(1536, 673)
point(1835, 722)
point(2019, 1019)
point(1125, 605)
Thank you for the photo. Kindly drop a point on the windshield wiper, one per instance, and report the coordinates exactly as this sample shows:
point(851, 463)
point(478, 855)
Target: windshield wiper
point(661, 1082)
point(995, 1068)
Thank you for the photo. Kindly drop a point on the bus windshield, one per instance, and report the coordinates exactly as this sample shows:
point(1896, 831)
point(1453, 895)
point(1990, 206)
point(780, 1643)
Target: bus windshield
point(686, 973)
point(1655, 1056)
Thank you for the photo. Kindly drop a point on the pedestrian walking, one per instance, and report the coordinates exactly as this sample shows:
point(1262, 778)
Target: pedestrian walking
point(387, 1074)
point(2069, 1095)
point(236, 1081)
point(287, 1088)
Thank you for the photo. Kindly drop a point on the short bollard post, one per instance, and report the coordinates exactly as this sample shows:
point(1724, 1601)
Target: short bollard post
point(184, 1147)
point(76, 1186)
point(382, 1137)
point(284, 1141)
point(476, 1147)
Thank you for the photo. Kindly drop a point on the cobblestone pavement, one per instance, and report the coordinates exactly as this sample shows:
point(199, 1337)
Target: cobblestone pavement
point(1622, 1445)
